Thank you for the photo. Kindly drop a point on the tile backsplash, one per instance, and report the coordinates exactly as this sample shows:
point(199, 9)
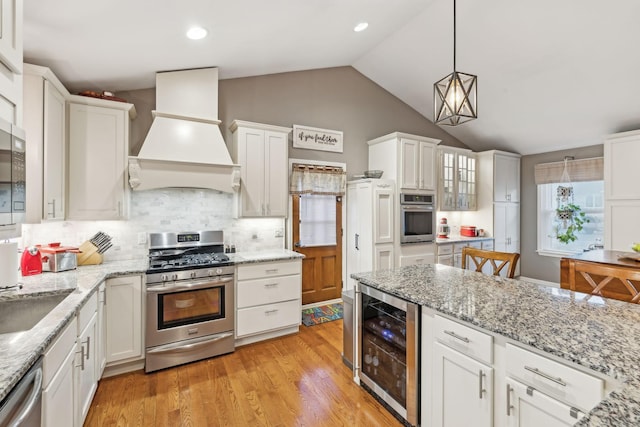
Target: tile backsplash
point(182, 209)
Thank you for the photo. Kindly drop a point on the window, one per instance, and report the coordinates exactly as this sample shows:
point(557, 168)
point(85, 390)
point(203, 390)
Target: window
point(589, 196)
point(317, 220)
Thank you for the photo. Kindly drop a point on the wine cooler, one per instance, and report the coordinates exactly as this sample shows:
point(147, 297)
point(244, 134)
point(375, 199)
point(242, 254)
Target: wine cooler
point(388, 350)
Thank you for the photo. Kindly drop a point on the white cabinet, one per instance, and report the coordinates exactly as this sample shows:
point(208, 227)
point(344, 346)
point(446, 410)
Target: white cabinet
point(85, 370)
point(451, 253)
point(11, 29)
point(458, 184)
point(261, 151)
point(370, 226)
point(123, 306)
point(527, 408)
point(268, 300)
point(101, 350)
point(507, 227)
point(506, 180)
point(58, 380)
point(45, 125)
point(98, 151)
point(408, 159)
point(622, 195)
point(462, 375)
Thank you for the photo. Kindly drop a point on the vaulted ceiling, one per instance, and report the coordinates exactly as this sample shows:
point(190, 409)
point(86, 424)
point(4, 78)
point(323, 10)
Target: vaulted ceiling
point(551, 74)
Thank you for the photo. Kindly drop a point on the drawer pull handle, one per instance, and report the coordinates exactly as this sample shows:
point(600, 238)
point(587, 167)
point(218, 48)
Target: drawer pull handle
point(547, 376)
point(458, 337)
point(270, 285)
point(271, 270)
point(268, 312)
point(509, 405)
point(481, 389)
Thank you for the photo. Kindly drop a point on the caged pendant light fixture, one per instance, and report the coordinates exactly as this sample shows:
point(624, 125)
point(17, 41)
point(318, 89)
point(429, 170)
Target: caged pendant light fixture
point(455, 95)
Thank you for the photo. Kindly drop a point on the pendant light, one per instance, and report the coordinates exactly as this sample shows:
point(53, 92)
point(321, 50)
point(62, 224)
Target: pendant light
point(455, 95)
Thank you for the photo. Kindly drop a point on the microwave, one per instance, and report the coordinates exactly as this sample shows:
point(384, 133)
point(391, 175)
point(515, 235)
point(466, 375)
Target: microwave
point(12, 180)
point(417, 218)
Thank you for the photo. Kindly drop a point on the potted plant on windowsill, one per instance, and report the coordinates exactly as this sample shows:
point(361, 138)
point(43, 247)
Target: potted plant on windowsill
point(572, 220)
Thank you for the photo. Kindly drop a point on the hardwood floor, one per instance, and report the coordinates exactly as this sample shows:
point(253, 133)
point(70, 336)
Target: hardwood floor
point(297, 380)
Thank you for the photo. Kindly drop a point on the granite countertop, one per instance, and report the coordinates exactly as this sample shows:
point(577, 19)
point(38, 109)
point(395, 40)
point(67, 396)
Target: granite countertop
point(458, 238)
point(20, 350)
point(597, 333)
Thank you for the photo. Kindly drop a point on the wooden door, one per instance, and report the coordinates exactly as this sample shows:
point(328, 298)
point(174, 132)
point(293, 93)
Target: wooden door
point(322, 265)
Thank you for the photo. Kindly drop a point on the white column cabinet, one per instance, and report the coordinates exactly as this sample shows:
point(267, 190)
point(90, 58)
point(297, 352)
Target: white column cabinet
point(507, 227)
point(124, 326)
point(463, 390)
point(622, 195)
point(45, 125)
point(506, 182)
point(261, 150)
point(98, 152)
point(370, 226)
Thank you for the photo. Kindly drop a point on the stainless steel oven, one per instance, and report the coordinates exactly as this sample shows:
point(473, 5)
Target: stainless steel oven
point(388, 350)
point(417, 218)
point(190, 303)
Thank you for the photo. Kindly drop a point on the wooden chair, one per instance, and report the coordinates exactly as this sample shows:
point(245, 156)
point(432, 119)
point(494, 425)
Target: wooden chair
point(610, 276)
point(480, 258)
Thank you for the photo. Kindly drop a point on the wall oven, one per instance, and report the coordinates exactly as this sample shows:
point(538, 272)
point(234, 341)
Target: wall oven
point(387, 363)
point(190, 300)
point(417, 218)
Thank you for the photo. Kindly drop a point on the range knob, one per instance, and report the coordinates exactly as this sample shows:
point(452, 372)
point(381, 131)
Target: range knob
point(164, 278)
point(174, 276)
point(193, 274)
point(211, 273)
point(218, 271)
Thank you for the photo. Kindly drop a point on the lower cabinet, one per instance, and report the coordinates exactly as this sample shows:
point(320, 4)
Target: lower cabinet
point(268, 300)
point(102, 330)
point(57, 379)
point(85, 368)
point(123, 314)
point(528, 408)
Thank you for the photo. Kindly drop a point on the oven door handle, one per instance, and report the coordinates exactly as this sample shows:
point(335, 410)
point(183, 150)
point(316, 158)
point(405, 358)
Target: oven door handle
point(188, 286)
point(179, 348)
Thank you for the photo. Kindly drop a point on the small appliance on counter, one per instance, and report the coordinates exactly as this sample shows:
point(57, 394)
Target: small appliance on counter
point(468, 230)
point(56, 258)
point(31, 261)
point(443, 229)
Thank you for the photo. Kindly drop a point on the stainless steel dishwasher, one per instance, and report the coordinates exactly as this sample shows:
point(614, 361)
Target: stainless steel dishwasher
point(23, 406)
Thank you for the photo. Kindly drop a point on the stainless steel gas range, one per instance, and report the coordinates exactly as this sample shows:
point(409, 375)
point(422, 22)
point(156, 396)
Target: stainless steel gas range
point(190, 299)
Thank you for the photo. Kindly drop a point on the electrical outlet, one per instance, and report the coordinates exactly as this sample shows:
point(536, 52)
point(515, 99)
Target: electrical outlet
point(279, 232)
point(142, 238)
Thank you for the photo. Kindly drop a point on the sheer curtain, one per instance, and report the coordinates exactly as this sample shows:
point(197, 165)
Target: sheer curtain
point(320, 180)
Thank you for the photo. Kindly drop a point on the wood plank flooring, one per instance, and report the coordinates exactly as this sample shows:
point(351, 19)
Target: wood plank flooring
point(297, 380)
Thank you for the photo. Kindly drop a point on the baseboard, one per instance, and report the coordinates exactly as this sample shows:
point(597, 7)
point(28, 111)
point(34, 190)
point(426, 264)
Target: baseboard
point(321, 303)
point(123, 368)
point(267, 335)
point(539, 282)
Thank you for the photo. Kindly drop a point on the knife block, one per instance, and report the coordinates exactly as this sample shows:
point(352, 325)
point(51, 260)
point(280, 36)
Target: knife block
point(89, 254)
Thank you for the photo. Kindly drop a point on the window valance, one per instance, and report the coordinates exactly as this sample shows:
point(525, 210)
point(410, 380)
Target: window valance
point(579, 170)
point(323, 180)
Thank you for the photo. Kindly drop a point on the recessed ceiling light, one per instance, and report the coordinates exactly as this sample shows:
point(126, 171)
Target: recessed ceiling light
point(361, 27)
point(197, 33)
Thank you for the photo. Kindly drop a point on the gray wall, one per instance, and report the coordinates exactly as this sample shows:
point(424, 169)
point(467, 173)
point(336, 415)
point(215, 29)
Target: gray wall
point(531, 264)
point(332, 98)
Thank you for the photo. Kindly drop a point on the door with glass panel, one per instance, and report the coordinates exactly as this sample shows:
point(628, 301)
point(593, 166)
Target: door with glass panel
point(317, 233)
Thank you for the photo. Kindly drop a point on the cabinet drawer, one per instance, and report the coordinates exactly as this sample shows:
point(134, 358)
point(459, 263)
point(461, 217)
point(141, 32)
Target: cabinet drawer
point(487, 245)
point(416, 260)
point(269, 269)
point(270, 290)
point(563, 382)
point(86, 312)
point(267, 317)
point(58, 351)
point(445, 249)
point(445, 260)
point(477, 245)
point(464, 339)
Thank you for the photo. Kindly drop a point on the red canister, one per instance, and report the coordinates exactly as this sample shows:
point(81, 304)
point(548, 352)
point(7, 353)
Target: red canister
point(468, 230)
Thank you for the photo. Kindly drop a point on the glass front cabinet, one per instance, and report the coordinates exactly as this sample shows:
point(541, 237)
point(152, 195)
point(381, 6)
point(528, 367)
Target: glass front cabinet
point(458, 185)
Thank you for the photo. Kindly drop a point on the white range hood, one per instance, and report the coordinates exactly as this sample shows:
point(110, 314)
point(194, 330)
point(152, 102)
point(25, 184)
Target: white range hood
point(184, 147)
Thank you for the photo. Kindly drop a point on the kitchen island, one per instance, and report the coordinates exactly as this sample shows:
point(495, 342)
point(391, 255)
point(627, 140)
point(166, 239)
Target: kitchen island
point(20, 350)
point(592, 332)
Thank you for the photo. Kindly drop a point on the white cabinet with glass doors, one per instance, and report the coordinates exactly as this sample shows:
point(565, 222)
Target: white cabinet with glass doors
point(458, 184)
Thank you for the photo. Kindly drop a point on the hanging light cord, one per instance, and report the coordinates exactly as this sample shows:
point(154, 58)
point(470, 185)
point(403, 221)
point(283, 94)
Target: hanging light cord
point(454, 36)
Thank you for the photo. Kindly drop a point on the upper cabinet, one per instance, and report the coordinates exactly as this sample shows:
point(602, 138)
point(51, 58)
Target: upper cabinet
point(409, 159)
point(44, 123)
point(506, 179)
point(458, 184)
point(11, 12)
point(98, 150)
point(261, 151)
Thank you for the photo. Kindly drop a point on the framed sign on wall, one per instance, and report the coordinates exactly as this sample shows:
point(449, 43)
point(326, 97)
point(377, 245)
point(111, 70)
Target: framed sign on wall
point(317, 139)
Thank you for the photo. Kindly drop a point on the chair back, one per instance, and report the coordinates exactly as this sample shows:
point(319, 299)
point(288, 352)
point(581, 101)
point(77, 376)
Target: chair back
point(497, 260)
point(601, 275)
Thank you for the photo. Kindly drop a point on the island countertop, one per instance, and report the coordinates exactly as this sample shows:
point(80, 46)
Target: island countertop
point(597, 333)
